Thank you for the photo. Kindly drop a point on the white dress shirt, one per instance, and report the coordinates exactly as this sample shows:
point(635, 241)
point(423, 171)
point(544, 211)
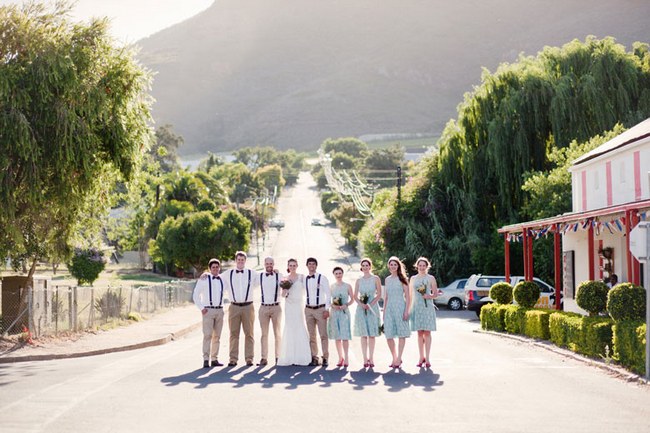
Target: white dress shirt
point(209, 292)
point(317, 294)
point(240, 285)
point(270, 287)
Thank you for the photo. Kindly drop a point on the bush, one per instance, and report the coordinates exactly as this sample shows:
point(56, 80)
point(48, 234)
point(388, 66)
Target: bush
point(596, 335)
point(501, 293)
point(564, 329)
point(536, 324)
point(629, 344)
point(592, 296)
point(526, 294)
point(110, 304)
point(514, 319)
point(493, 317)
point(626, 301)
point(86, 265)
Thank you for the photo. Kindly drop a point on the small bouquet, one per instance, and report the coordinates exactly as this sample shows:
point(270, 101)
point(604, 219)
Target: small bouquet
point(422, 290)
point(285, 284)
point(338, 301)
point(364, 298)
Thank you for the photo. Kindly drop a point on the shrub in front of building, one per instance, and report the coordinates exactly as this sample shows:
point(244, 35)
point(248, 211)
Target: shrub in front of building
point(629, 344)
point(626, 301)
point(596, 338)
point(564, 329)
point(86, 265)
point(501, 293)
point(592, 296)
point(493, 317)
point(536, 324)
point(514, 318)
point(526, 294)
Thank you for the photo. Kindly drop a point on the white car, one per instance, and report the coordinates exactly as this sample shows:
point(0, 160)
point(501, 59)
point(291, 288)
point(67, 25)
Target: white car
point(453, 295)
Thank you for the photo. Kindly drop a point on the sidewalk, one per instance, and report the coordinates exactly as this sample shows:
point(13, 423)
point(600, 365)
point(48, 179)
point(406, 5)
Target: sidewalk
point(159, 329)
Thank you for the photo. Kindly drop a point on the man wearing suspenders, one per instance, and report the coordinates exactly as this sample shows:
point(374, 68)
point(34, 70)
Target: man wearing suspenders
point(317, 310)
point(270, 310)
point(208, 297)
point(241, 313)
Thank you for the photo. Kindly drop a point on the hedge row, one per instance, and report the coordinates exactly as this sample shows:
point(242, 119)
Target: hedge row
point(591, 336)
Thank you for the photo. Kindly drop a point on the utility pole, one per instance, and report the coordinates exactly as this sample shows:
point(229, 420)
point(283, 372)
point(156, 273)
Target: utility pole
point(399, 184)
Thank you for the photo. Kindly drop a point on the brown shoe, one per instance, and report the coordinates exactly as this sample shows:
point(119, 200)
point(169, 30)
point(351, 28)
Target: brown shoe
point(249, 362)
point(232, 363)
point(263, 361)
point(314, 362)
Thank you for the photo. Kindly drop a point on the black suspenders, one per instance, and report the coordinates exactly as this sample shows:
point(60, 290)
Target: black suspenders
point(317, 289)
point(277, 284)
point(232, 288)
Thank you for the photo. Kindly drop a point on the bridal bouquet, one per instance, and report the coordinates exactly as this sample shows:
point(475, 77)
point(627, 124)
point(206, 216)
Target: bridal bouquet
point(422, 290)
point(364, 300)
point(338, 301)
point(285, 284)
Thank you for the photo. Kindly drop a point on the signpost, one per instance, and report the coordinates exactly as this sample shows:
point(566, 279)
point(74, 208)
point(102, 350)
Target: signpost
point(640, 248)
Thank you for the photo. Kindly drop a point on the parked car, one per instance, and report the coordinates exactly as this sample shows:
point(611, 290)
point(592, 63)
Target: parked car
point(277, 223)
point(317, 222)
point(452, 295)
point(477, 291)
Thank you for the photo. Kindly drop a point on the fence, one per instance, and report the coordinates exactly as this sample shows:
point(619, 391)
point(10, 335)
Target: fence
point(50, 310)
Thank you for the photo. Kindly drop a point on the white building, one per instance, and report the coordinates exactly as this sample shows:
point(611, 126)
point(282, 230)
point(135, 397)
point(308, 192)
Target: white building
point(610, 194)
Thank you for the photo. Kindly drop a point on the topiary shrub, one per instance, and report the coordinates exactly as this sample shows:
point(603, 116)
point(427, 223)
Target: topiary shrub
point(514, 319)
point(526, 294)
point(596, 335)
point(501, 293)
point(564, 329)
point(536, 324)
point(626, 301)
point(86, 265)
point(492, 317)
point(592, 296)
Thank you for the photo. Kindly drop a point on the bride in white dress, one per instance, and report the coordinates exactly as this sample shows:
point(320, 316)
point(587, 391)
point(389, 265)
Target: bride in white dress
point(295, 340)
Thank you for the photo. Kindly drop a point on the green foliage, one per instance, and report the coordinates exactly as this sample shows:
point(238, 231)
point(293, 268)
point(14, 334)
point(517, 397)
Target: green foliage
point(110, 305)
point(592, 296)
point(493, 317)
point(86, 265)
point(75, 113)
point(596, 334)
point(255, 158)
point(626, 301)
point(134, 316)
point(514, 318)
point(349, 221)
point(270, 177)
point(629, 344)
point(501, 293)
point(329, 201)
point(165, 149)
point(565, 329)
point(349, 146)
point(537, 324)
point(505, 130)
point(526, 294)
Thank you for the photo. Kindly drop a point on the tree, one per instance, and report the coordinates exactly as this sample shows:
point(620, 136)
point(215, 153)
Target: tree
point(74, 114)
point(165, 148)
point(270, 176)
point(350, 146)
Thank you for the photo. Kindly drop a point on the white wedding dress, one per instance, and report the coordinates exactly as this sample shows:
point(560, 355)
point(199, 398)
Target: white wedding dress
point(295, 339)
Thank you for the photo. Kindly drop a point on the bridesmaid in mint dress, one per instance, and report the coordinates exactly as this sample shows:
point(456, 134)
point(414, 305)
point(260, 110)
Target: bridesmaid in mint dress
point(338, 326)
point(397, 304)
point(366, 318)
point(424, 289)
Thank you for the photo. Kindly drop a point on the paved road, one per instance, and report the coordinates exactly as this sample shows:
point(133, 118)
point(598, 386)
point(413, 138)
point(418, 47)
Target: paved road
point(478, 383)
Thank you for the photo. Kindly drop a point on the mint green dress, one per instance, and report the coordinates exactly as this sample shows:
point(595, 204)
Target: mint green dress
point(338, 326)
point(394, 324)
point(366, 322)
point(423, 317)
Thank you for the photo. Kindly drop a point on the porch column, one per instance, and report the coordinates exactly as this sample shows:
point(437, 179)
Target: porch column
point(590, 246)
point(558, 265)
point(506, 250)
point(525, 251)
point(530, 258)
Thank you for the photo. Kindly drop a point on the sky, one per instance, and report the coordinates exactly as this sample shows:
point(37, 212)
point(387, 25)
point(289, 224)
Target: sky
point(132, 20)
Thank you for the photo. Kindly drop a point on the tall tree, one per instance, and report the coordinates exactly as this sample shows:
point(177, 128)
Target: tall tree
point(165, 148)
point(74, 109)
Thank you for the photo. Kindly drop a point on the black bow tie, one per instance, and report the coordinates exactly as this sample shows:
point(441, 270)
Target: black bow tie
point(215, 278)
point(269, 274)
point(239, 272)
point(311, 276)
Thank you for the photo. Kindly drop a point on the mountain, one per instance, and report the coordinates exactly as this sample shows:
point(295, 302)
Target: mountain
point(290, 73)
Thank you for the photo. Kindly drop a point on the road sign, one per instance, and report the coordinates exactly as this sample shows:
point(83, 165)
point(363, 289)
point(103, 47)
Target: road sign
point(639, 241)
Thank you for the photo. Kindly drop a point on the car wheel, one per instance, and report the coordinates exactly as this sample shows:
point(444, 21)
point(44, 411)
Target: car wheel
point(455, 304)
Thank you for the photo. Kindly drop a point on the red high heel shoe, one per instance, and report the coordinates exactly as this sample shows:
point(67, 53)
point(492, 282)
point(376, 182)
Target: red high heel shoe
point(371, 364)
point(398, 365)
point(428, 364)
point(340, 363)
point(366, 364)
point(421, 363)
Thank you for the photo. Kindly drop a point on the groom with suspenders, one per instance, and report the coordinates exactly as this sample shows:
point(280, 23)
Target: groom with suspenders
point(317, 310)
point(241, 313)
point(270, 310)
point(208, 297)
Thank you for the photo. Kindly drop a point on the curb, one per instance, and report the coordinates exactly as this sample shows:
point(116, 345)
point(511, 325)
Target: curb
point(615, 370)
point(156, 342)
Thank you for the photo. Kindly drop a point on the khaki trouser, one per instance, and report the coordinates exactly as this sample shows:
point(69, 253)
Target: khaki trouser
point(212, 326)
point(241, 318)
point(314, 318)
point(274, 315)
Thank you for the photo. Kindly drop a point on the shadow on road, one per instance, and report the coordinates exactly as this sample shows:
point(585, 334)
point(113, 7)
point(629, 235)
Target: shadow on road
point(295, 377)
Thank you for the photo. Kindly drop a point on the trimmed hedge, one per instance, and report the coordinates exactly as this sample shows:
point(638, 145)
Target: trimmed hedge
point(564, 329)
point(629, 344)
point(515, 318)
point(501, 293)
point(537, 324)
point(592, 296)
point(626, 301)
point(596, 336)
point(493, 317)
point(527, 293)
